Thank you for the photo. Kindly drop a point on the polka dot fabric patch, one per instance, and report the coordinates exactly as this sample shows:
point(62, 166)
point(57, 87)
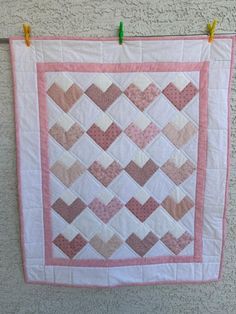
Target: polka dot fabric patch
point(121, 174)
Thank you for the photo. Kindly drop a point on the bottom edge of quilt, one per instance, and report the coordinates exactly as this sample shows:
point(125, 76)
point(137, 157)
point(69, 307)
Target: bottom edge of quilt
point(128, 284)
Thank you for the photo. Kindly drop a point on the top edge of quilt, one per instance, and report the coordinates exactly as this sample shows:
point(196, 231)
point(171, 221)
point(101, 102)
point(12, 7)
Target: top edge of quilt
point(128, 38)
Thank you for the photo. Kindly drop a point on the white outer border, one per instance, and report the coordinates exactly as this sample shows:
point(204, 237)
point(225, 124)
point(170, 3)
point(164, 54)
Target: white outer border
point(26, 101)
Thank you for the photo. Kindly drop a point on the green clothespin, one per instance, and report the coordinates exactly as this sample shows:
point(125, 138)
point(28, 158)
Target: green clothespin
point(121, 33)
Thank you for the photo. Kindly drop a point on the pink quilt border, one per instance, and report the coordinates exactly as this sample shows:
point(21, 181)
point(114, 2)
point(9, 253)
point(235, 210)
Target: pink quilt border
point(202, 68)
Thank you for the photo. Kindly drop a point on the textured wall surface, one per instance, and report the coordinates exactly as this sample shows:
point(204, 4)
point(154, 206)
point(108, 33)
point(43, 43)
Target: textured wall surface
point(100, 18)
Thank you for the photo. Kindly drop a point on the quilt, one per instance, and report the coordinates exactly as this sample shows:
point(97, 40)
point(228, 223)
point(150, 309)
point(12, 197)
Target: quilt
point(122, 158)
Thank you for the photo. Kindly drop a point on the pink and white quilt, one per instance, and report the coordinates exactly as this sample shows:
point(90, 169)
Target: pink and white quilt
point(123, 157)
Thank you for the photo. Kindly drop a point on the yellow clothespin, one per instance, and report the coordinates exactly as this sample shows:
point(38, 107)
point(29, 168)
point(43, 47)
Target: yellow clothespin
point(211, 29)
point(27, 32)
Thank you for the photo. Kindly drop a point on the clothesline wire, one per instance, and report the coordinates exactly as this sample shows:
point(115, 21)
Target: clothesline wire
point(6, 40)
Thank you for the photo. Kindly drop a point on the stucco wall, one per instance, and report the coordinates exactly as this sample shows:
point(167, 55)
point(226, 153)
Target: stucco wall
point(101, 18)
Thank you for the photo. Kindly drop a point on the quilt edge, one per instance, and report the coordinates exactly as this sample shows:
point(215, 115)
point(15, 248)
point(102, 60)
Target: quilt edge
point(20, 207)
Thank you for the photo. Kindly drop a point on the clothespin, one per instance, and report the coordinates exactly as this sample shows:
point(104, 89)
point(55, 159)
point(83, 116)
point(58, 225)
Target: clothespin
point(27, 32)
point(121, 33)
point(211, 29)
